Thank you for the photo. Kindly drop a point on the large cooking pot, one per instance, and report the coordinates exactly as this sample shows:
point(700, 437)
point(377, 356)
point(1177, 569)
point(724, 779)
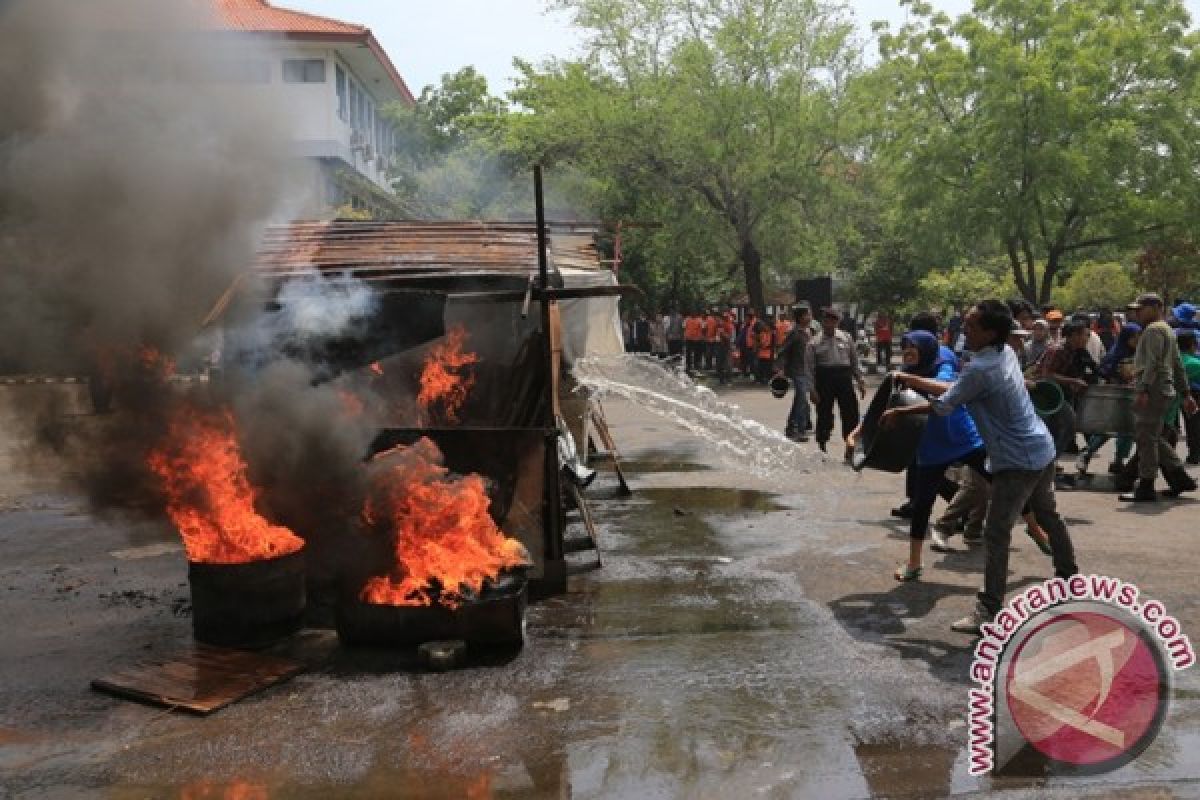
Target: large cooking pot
point(1106, 409)
point(889, 450)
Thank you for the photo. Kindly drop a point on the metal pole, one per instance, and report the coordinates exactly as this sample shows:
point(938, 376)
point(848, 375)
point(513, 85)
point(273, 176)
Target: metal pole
point(539, 200)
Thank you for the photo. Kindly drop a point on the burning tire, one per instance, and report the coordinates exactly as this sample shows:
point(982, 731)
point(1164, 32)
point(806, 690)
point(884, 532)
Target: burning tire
point(251, 605)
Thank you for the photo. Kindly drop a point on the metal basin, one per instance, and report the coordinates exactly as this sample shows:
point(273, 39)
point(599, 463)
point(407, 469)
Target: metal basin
point(494, 619)
point(1107, 409)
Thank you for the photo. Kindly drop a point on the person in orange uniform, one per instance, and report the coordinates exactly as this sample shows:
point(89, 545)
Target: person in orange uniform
point(746, 343)
point(764, 345)
point(712, 330)
point(726, 331)
point(693, 340)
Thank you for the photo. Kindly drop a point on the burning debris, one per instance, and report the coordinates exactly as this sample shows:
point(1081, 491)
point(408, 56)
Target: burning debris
point(446, 379)
point(445, 543)
point(209, 497)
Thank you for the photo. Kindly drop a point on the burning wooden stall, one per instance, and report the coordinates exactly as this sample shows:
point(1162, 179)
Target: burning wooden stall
point(491, 301)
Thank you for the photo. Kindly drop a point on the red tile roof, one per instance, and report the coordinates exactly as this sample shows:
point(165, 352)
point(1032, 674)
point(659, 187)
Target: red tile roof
point(259, 16)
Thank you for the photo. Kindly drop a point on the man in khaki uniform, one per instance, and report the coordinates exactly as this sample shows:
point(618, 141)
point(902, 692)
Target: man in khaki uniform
point(1160, 381)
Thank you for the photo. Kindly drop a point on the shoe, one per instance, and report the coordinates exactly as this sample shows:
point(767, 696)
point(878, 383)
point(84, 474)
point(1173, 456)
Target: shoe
point(972, 622)
point(821, 445)
point(973, 537)
point(1043, 544)
point(1124, 483)
point(938, 543)
point(1064, 482)
point(801, 437)
point(907, 574)
point(1179, 482)
point(1116, 467)
point(904, 511)
point(1144, 493)
point(1081, 463)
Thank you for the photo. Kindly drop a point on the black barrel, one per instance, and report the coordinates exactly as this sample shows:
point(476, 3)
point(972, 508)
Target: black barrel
point(889, 450)
point(494, 619)
point(248, 605)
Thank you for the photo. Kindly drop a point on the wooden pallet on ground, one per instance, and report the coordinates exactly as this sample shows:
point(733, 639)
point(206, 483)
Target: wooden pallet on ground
point(201, 680)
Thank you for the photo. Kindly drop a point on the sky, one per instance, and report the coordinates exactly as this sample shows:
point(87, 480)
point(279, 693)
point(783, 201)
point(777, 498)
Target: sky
point(428, 38)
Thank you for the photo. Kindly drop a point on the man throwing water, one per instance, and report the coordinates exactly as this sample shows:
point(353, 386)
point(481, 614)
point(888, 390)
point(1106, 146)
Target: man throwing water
point(1020, 449)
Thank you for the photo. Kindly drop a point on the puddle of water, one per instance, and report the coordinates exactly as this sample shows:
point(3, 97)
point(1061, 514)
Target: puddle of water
point(700, 499)
point(646, 467)
point(668, 392)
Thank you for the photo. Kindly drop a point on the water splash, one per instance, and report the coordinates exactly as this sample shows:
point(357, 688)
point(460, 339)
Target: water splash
point(667, 391)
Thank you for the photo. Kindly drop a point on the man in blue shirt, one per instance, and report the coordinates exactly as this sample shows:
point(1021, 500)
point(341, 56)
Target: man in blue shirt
point(1020, 450)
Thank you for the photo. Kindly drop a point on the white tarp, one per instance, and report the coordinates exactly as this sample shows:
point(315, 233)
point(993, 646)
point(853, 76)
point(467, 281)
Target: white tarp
point(591, 326)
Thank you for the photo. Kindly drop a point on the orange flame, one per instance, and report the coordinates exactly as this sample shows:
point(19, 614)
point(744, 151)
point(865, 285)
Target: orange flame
point(445, 542)
point(238, 790)
point(445, 382)
point(209, 497)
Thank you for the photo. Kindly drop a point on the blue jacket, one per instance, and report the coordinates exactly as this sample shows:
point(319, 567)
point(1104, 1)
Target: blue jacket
point(948, 438)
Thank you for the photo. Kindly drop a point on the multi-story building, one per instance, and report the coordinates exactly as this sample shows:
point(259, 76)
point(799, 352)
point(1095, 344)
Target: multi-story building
point(334, 79)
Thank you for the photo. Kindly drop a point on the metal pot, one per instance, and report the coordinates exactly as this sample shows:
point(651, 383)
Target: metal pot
point(1106, 409)
point(894, 449)
point(779, 386)
point(248, 605)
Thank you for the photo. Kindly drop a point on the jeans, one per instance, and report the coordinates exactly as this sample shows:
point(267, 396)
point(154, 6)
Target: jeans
point(1152, 447)
point(800, 417)
point(883, 354)
point(1012, 489)
point(971, 501)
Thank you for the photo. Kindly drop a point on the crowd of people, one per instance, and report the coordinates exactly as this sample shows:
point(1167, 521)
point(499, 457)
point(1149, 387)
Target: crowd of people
point(987, 447)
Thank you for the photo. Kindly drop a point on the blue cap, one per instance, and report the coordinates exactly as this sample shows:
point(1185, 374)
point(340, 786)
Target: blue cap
point(1185, 311)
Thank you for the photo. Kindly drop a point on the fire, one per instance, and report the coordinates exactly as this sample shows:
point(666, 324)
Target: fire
point(445, 380)
point(238, 790)
point(445, 542)
point(209, 497)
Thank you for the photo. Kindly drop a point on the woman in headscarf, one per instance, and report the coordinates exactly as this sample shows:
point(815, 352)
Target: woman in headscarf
point(1117, 367)
point(944, 442)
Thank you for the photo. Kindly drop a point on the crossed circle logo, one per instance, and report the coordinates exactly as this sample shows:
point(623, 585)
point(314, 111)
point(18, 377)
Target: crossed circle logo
point(1087, 689)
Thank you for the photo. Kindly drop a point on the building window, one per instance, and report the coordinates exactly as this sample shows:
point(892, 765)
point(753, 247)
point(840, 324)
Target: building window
point(304, 70)
point(339, 75)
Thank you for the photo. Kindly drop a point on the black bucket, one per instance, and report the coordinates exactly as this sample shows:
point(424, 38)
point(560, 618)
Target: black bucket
point(890, 450)
point(496, 618)
point(248, 605)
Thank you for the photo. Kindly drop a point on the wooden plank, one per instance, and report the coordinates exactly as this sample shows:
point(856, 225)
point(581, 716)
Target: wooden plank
point(201, 680)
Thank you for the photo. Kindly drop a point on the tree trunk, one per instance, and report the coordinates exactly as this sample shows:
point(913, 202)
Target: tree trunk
point(1048, 277)
point(752, 267)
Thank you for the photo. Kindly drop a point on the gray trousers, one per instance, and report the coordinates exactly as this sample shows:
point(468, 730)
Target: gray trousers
point(1153, 450)
point(1011, 490)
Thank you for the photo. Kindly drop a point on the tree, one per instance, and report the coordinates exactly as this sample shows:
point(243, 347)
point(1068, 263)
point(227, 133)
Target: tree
point(1049, 127)
point(1095, 285)
point(723, 116)
point(957, 287)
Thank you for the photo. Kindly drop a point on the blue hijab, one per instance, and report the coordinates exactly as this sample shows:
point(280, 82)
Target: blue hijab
point(929, 357)
point(1121, 349)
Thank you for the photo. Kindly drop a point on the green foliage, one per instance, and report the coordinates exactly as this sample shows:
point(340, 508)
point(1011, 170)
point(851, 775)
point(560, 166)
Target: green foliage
point(956, 287)
point(723, 121)
point(1095, 285)
point(1044, 127)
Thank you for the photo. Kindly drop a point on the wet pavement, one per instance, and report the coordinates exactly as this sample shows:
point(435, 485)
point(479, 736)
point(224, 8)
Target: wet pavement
point(744, 639)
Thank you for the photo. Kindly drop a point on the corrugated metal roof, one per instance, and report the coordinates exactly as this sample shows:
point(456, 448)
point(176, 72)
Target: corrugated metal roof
point(414, 250)
point(262, 17)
